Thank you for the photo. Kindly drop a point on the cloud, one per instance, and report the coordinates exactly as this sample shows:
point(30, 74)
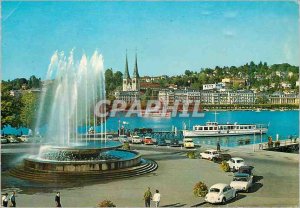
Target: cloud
point(228, 33)
point(230, 14)
point(289, 52)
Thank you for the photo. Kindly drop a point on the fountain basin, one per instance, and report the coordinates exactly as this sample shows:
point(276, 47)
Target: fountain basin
point(77, 152)
point(132, 159)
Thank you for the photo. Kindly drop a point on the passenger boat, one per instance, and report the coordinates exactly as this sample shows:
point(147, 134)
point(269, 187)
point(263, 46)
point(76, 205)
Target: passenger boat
point(213, 129)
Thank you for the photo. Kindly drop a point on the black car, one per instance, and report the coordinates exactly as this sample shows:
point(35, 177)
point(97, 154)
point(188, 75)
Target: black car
point(174, 143)
point(246, 169)
point(221, 157)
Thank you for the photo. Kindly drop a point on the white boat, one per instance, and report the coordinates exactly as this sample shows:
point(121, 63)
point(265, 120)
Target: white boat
point(212, 129)
point(158, 114)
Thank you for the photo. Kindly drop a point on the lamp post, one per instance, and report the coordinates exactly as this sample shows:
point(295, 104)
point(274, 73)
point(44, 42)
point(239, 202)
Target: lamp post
point(119, 127)
point(254, 141)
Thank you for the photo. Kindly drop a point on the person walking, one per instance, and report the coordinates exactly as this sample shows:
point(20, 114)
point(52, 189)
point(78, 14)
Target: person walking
point(147, 197)
point(57, 199)
point(218, 147)
point(5, 200)
point(13, 199)
point(156, 198)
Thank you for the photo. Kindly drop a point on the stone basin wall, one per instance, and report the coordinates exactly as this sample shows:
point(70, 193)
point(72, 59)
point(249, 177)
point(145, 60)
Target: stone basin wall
point(82, 166)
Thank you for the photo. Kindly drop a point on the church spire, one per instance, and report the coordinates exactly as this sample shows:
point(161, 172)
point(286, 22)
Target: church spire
point(126, 73)
point(136, 70)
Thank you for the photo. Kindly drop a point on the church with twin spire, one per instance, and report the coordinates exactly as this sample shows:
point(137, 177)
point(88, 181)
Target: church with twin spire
point(131, 86)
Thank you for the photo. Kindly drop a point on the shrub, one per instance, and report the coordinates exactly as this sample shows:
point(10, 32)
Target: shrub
point(225, 166)
point(277, 143)
point(106, 203)
point(126, 146)
point(200, 189)
point(191, 155)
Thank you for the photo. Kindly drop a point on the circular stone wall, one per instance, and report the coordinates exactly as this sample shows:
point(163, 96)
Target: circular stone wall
point(83, 166)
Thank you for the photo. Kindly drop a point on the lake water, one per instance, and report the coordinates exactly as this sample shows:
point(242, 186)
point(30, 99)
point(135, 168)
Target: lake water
point(283, 123)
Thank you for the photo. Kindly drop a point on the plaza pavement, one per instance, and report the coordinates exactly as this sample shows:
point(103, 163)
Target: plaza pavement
point(278, 184)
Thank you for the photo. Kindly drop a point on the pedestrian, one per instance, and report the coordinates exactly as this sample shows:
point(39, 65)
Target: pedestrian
point(156, 198)
point(147, 197)
point(5, 200)
point(13, 199)
point(218, 147)
point(57, 199)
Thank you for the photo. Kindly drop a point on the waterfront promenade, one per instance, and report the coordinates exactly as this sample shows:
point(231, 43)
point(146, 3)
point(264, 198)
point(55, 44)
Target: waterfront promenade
point(277, 185)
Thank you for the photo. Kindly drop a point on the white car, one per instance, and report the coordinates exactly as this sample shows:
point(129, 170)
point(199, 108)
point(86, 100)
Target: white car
point(242, 182)
point(209, 154)
point(235, 163)
point(188, 143)
point(220, 193)
point(136, 140)
point(109, 137)
point(123, 138)
point(24, 138)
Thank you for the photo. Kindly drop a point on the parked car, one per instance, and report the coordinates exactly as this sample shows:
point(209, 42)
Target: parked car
point(123, 138)
point(109, 137)
point(242, 182)
point(148, 141)
point(220, 193)
point(12, 139)
point(188, 143)
point(235, 163)
point(221, 157)
point(174, 143)
point(24, 138)
point(246, 169)
point(209, 154)
point(4, 141)
point(136, 140)
point(161, 142)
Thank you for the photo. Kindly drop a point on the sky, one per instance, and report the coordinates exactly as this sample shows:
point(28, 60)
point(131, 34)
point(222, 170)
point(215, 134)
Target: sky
point(169, 37)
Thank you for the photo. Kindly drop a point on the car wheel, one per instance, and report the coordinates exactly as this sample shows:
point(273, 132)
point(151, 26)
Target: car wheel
point(235, 195)
point(224, 200)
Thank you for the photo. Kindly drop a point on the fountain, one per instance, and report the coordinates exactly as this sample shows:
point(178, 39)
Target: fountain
point(66, 105)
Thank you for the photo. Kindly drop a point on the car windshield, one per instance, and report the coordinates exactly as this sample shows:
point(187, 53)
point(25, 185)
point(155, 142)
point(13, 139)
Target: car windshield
point(239, 179)
point(216, 190)
point(245, 171)
point(240, 161)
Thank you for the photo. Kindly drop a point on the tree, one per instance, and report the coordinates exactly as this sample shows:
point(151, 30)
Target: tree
point(34, 82)
point(10, 107)
point(188, 73)
point(29, 109)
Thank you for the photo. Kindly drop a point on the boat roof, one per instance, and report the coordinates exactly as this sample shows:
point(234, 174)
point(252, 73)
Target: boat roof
point(231, 124)
point(188, 139)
